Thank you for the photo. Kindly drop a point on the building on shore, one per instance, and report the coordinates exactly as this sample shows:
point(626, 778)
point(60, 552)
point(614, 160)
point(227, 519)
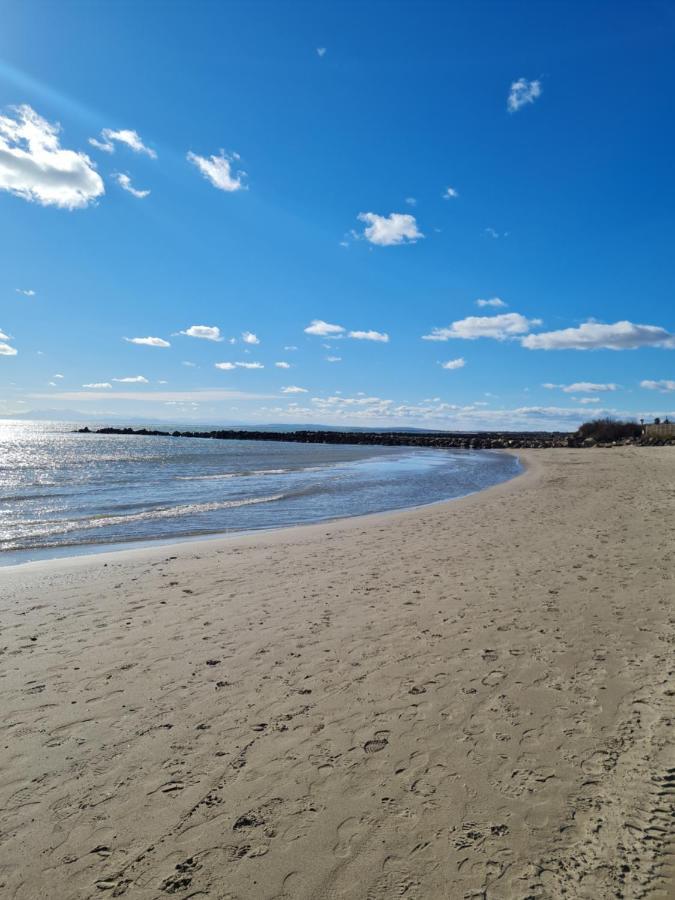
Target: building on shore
point(659, 430)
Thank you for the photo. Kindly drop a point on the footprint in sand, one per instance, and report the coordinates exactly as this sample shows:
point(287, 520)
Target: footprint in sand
point(493, 678)
point(347, 831)
point(171, 786)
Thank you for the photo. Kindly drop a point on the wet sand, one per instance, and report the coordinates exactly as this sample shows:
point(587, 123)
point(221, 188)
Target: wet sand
point(470, 700)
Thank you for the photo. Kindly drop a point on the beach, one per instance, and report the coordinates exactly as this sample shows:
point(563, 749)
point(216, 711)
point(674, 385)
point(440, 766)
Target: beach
point(467, 700)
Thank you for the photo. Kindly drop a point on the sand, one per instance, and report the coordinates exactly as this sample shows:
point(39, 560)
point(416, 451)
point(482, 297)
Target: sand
point(470, 700)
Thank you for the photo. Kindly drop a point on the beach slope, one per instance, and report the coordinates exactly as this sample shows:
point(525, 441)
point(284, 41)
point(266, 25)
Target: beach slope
point(470, 700)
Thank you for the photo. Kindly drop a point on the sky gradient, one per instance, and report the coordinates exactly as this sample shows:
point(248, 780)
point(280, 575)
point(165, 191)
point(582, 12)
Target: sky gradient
point(444, 215)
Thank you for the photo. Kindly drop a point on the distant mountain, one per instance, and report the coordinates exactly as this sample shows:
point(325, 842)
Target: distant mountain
point(72, 416)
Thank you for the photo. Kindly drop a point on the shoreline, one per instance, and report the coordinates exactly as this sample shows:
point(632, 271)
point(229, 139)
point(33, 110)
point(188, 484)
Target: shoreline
point(72, 552)
point(466, 699)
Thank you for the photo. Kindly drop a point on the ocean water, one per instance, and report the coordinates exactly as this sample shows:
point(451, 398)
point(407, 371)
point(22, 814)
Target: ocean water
point(63, 493)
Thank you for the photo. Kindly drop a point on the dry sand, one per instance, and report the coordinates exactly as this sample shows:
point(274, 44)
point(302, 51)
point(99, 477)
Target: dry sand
point(470, 700)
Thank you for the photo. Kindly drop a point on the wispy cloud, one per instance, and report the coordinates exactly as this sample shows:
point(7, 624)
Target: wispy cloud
point(294, 389)
point(205, 395)
point(125, 136)
point(35, 167)
point(521, 93)
point(494, 302)
point(148, 341)
point(500, 328)
point(25, 293)
point(320, 51)
point(388, 231)
point(458, 363)
point(664, 386)
point(125, 183)
point(282, 365)
point(204, 332)
point(449, 193)
point(96, 385)
point(333, 359)
point(581, 387)
point(229, 366)
point(132, 379)
point(369, 336)
point(598, 336)
point(218, 170)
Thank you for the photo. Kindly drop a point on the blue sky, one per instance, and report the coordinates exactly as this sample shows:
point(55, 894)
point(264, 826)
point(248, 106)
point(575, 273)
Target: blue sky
point(259, 167)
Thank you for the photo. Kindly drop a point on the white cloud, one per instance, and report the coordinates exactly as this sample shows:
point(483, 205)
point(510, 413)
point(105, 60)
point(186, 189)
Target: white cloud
point(521, 93)
point(586, 399)
point(190, 365)
point(294, 389)
point(500, 327)
point(6, 350)
point(596, 335)
point(57, 376)
point(458, 363)
point(282, 365)
point(218, 170)
point(148, 341)
point(27, 293)
point(449, 193)
point(4, 337)
point(125, 183)
point(205, 332)
point(411, 201)
point(323, 329)
point(320, 51)
point(388, 231)
point(664, 385)
point(580, 387)
point(249, 338)
point(369, 336)
point(132, 379)
point(98, 385)
point(333, 359)
point(125, 136)
point(290, 348)
point(34, 166)
point(229, 366)
point(495, 302)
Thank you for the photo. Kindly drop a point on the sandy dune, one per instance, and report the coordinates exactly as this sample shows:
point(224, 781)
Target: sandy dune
point(472, 700)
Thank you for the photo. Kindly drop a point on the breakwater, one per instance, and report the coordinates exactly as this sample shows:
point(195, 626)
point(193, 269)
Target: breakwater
point(484, 440)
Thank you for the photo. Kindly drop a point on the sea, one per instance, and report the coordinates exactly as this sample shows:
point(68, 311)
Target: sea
point(64, 493)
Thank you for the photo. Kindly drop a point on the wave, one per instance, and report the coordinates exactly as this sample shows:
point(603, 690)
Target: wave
point(52, 526)
point(250, 474)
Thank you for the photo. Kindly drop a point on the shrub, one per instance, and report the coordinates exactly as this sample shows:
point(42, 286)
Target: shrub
point(606, 430)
